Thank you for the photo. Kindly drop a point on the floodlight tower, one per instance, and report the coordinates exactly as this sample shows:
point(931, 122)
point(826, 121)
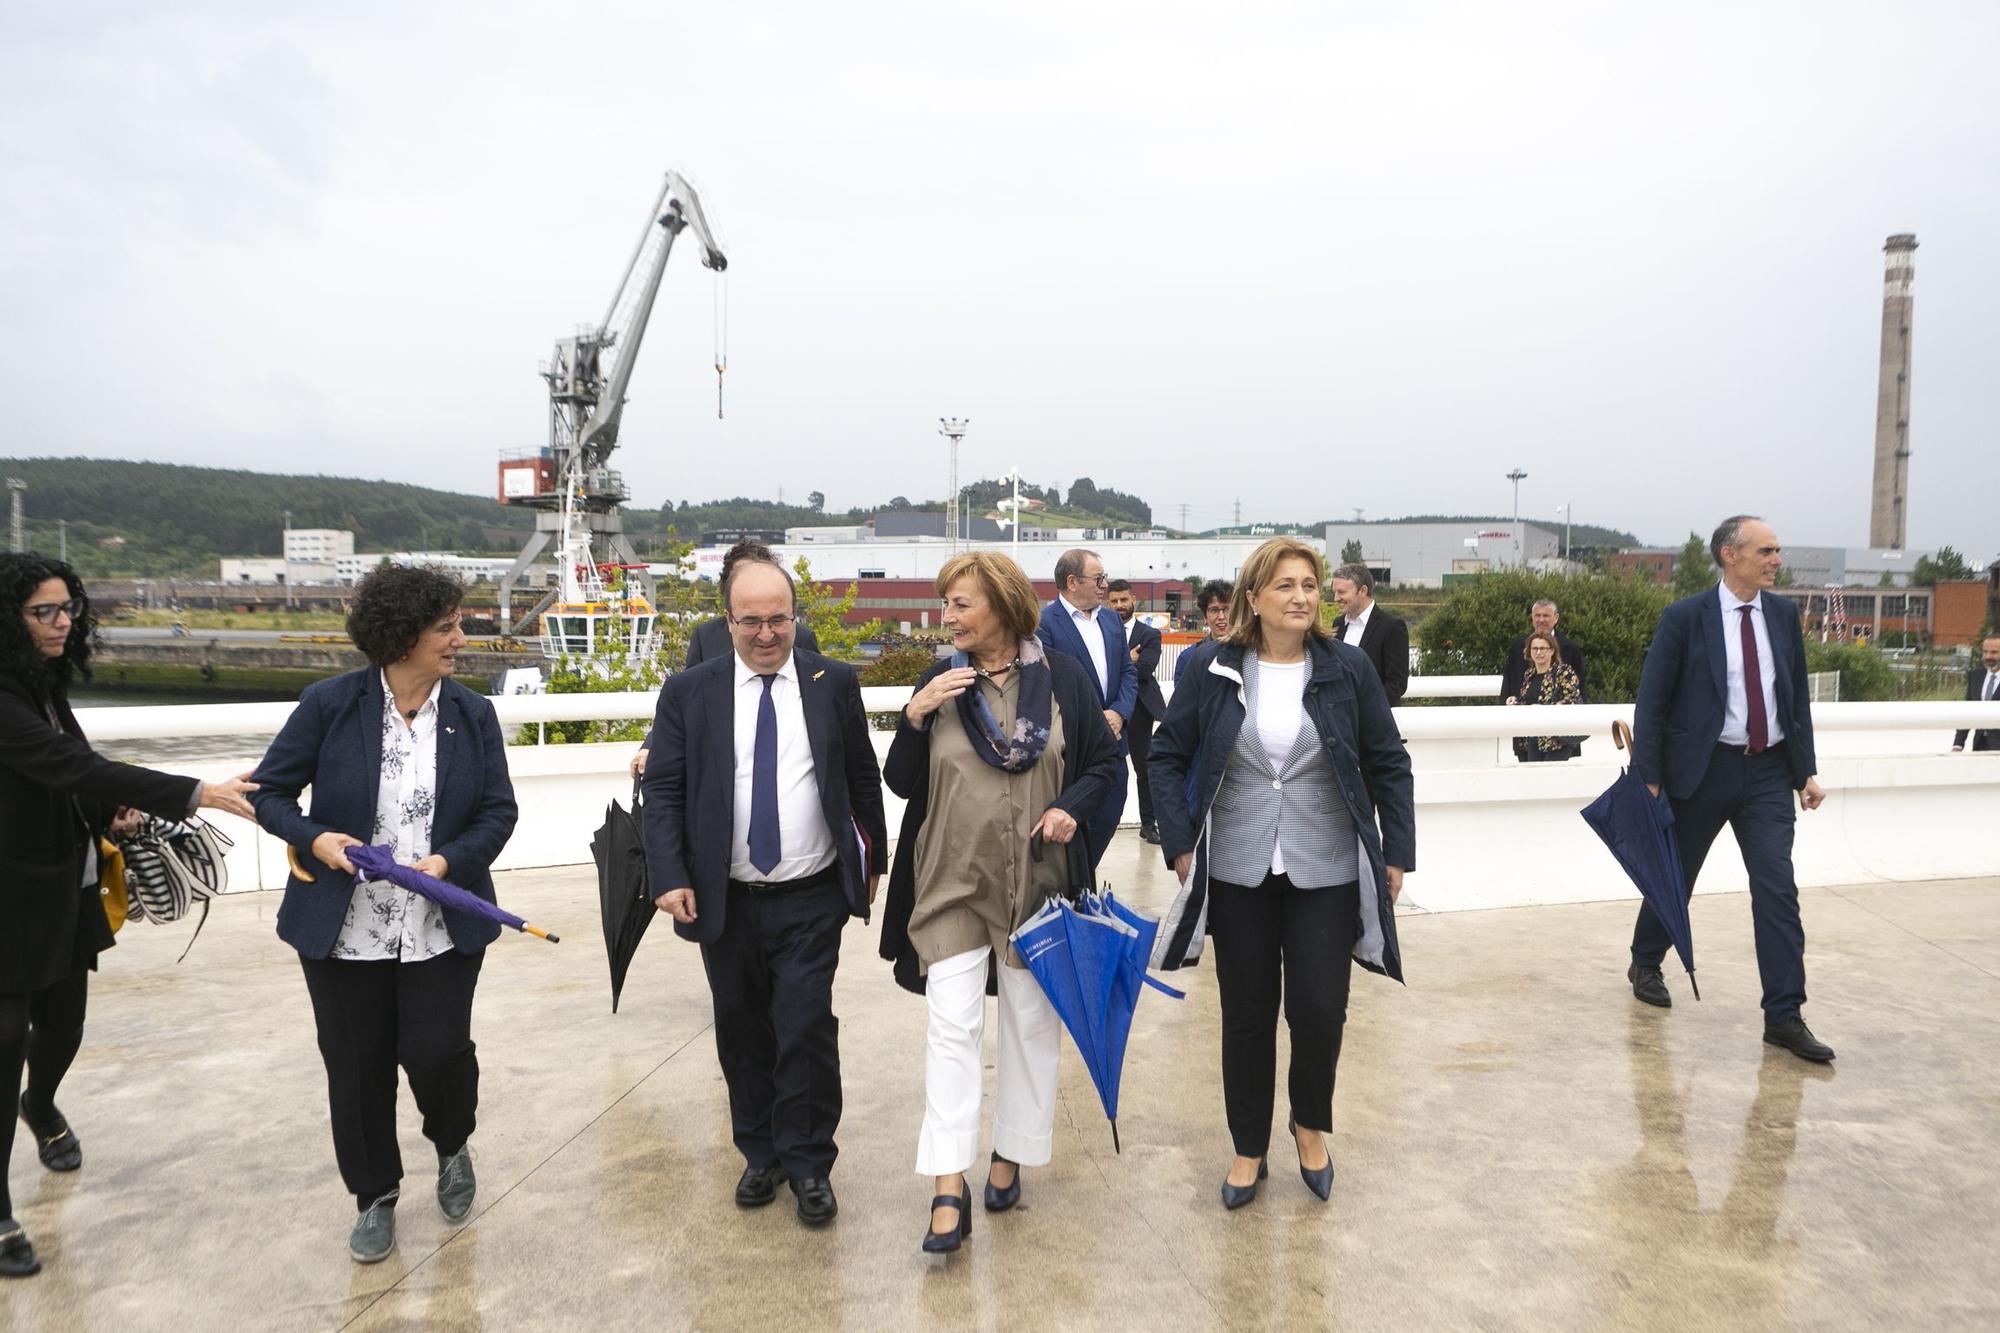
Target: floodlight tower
point(953, 429)
point(1515, 477)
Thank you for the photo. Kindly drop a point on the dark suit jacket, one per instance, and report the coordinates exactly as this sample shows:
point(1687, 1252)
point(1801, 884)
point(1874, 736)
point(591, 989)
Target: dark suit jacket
point(1147, 640)
point(1986, 738)
point(56, 793)
point(332, 743)
point(690, 784)
point(1679, 714)
point(1517, 666)
point(1386, 643)
point(711, 639)
point(1058, 635)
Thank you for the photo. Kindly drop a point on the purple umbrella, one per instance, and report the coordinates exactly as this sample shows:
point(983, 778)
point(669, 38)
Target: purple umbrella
point(380, 863)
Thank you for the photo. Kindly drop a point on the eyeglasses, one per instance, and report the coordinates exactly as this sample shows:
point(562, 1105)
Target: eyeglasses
point(755, 625)
point(48, 611)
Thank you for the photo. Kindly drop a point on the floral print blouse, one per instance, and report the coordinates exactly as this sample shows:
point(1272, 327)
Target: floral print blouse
point(1557, 685)
point(384, 921)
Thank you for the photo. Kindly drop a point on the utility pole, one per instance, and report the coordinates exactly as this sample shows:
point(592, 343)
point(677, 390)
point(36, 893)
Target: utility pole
point(1515, 477)
point(1566, 522)
point(1184, 509)
point(1016, 475)
point(953, 429)
point(18, 535)
point(285, 553)
point(1239, 511)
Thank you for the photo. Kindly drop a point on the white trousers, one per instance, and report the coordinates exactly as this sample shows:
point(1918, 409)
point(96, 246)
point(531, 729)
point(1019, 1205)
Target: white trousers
point(1024, 1094)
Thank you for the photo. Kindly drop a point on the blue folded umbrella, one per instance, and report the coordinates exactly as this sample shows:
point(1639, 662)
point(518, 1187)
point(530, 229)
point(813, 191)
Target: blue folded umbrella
point(380, 863)
point(1638, 827)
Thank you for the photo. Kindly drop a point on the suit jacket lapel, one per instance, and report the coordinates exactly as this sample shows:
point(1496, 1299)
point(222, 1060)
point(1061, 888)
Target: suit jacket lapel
point(448, 720)
point(817, 706)
point(1711, 637)
point(1112, 631)
point(721, 738)
point(369, 707)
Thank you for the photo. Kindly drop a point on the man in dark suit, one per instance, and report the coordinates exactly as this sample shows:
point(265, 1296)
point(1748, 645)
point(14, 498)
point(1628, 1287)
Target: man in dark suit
point(1384, 638)
point(1142, 645)
point(1542, 619)
point(1724, 725)
point(1078, 624)
point(1983, 682)
point(764, 833)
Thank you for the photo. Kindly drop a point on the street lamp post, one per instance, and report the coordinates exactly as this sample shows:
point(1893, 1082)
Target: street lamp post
point(1515, 477)
point(1566, 517)
point(285, 556)
point(953, 429)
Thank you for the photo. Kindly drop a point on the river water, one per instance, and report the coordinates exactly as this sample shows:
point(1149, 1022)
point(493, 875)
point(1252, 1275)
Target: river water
point(170, 753)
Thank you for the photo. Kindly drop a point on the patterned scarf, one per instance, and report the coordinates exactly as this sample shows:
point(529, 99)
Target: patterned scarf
point(1034, 706)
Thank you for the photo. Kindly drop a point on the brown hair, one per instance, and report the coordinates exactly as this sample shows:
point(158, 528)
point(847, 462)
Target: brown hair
point(1555, 649)
point(1260, 569)
point(1006, 588)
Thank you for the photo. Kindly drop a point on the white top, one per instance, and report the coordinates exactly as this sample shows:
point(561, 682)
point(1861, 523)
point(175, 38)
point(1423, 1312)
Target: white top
point(384, 921)
point(1093, 643)
point(1736, 704)
point(804, 844)
point(1355, 627)
point(1281, 704)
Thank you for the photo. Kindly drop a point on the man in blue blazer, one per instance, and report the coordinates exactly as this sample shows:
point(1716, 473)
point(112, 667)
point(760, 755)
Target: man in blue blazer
point(1077, 624)
point(1723, 723)
point(764, 834)
point(1142, 645)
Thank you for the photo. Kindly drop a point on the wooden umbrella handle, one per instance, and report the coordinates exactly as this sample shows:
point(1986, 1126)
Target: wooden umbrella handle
point(1621, 735)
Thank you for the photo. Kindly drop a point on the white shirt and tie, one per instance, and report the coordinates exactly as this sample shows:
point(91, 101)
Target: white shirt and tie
point(1736, 706)
point(1093, 643)
point(807, 845)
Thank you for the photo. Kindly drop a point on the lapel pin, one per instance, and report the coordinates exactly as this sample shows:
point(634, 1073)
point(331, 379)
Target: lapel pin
point(451, 731)
point(818, 674)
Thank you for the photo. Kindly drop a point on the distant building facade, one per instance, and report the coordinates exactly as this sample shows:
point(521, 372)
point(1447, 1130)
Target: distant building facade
point(1423, 554)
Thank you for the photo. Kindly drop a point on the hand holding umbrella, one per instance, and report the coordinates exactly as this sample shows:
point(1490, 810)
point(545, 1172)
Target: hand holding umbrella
point(380, 863)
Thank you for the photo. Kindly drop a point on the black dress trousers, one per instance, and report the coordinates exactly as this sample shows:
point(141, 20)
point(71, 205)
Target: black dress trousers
point(1139, 739)
point(377, 1014)
point(771, 975)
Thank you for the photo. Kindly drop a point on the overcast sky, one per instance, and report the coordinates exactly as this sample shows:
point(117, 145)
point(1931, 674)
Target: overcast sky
point(1310, 256)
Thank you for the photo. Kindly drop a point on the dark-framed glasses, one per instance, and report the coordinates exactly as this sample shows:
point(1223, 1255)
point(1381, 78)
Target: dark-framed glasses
point(758, 624)
point(48, 611)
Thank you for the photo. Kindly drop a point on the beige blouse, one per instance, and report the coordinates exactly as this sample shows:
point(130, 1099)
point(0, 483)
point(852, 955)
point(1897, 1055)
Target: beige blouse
point(976, 880)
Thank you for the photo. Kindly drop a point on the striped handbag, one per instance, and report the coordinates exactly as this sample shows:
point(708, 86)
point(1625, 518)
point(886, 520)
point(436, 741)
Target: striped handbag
point(170, 865)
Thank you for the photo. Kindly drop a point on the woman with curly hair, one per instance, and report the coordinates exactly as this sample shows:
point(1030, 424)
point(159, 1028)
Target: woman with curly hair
point(57, 797)
point(396, 754)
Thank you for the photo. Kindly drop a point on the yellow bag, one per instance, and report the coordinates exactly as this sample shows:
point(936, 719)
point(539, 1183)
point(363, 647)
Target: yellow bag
point(111, 883)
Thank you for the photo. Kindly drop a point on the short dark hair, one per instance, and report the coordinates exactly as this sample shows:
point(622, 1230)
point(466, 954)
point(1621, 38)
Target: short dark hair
point(393, 606)
point(1213, 591)
point(1359, 575)
point(755, 552)
point(20, 574)
point(1069, 565)
point(1118, 585)
point(1728, 533)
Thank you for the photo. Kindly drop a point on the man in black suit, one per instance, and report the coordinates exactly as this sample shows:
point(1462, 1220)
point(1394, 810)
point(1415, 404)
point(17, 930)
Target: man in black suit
point(1142, 645)
point(764, 833)
point(1383, 637)
point(1542, 619)
point(1723, 723)
point(1983, 682)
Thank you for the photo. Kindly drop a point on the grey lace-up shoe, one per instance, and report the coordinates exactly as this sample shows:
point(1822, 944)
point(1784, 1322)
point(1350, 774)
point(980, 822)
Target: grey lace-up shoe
point(456, 1185)
point(374, 1234)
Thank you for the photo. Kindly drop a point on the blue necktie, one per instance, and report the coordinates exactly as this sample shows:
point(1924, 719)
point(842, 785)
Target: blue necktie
point(766, 847)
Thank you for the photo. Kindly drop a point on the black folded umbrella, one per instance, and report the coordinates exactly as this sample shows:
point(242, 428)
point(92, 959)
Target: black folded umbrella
point(620, 853)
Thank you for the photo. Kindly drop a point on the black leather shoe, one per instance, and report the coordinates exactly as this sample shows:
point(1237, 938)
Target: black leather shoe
point(1649, 985)
point(759, 1185)
point(817, 1206)
point(1149, 833)
point(1796, 1037)
point(1235, 1196)
point(944, 1242)
point(17, 1256)
point(54, 1143)
point(999, 1200)
point(1319, 1181)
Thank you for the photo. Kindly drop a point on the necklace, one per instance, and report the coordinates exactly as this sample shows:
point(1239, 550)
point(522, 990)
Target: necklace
point(984, 674)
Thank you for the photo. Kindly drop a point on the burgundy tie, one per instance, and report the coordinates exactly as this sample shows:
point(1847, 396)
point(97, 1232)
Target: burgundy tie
point(1753, 686)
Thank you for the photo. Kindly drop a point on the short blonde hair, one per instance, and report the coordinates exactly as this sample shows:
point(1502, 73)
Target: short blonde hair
point(1260, 569)
point(1006, 588)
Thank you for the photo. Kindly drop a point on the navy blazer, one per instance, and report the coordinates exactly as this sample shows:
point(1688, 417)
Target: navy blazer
point(1147, 668)
point(1058, 634)
point(689, 815)
point(332, 743)
point(1677, 721)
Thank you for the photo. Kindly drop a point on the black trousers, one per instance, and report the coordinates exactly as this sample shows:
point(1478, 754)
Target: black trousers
point(1752, 794)
point(40, 1031)
point(373, 1016)
point(771, 975)
point(1274, 941)
point(1139, 739)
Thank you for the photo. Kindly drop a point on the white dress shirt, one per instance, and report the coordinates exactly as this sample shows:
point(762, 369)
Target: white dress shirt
point(1356, 628)
point(384, 921)
point(1093, 643)
point(1736, 706)
point(805, 845)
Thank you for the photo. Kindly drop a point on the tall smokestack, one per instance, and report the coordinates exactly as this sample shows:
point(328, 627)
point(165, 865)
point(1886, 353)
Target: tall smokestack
point(1888, 510)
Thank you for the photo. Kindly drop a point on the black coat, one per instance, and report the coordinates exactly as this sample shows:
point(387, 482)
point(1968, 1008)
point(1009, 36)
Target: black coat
point(1147, 640)
point(332, 743)
point(1516, 670)
point(1385, 642)
point(1090, 765)
point(1986, 738)
point(690, 783)
point(56, 794)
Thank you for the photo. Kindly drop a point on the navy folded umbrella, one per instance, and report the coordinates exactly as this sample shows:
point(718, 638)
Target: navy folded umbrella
point(1638, 827)
point(380, 863)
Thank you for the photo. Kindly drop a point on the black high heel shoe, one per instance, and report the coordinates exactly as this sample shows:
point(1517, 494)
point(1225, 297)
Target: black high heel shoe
point(1320, 1182)
point(1235, 1196)
point(944, 1242)
point(999, 1200)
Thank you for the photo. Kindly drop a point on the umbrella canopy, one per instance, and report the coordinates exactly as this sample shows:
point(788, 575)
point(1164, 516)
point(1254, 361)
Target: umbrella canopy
point(620, 854)
point(1638, 827)
point(380, 863)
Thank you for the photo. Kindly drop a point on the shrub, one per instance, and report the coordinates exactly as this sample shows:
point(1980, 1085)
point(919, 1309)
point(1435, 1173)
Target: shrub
point(902, 661)
point(1864, 673)
point(1612, 620)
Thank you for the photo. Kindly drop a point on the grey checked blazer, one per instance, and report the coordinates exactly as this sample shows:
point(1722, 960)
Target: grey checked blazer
point(1260, 807)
